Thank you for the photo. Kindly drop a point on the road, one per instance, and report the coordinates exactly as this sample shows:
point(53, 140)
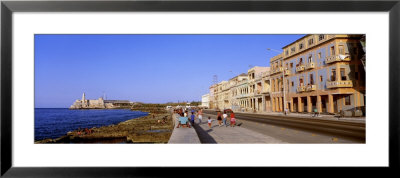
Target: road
point(290, 134)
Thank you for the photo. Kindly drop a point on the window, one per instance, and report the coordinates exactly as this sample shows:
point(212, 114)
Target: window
point(292, 83)
point(343, 74)
point(287, 52)
point(301, 61)
point(321, 37)
point(332, 50)
point(347, 100)
point(310, 58)
point(293, 49)
point(301, 81)
point(319, 55)
point(291, 65)
point(320, 78)
point(310, 41)
point(333, 75)
point(311, 79)
point(341, 49)
point(301, 46)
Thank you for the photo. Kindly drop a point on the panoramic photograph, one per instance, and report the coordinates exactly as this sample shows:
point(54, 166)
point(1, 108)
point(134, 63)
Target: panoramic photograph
point(200, 88)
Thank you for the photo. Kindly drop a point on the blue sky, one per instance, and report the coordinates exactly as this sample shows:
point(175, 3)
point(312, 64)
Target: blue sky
point(143, 68)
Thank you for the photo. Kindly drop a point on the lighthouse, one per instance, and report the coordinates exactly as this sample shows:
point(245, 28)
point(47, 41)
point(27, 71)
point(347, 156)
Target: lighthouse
point(84, 102)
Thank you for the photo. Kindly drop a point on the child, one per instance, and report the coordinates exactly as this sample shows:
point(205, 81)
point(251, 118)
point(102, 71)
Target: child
point(233, 120)
point(209, 122)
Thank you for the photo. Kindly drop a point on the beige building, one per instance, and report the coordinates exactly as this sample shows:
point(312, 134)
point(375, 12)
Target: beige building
point(324, 73)
point(205, 100)
point(255, 84)
point(320, 72)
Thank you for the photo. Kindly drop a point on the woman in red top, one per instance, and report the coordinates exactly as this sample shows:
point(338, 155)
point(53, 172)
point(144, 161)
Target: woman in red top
point(233, 120)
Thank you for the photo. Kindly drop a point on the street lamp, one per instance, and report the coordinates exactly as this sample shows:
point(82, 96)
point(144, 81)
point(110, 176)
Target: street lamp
point(283, 80)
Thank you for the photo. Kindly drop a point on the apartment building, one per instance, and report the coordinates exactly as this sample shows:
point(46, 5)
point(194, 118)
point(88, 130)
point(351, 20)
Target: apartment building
point(322, 72)
point(255, 84)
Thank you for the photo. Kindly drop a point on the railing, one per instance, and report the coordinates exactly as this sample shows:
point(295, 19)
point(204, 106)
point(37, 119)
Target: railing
point(277, 70)
point(301, 89)
point(337, 58)
point(311, 87)
point(310, 65)
point(265, 90)
point(300, 68)
point(339, 84)
point(287, 72)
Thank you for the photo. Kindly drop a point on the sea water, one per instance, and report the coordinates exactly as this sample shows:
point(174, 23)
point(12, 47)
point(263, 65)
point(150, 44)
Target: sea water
point(54, 123)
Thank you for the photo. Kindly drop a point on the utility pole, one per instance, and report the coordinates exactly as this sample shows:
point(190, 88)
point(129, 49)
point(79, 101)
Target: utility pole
point(284, 88)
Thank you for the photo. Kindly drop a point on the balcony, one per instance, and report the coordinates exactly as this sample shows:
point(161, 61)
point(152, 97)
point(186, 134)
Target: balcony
point(337, 58)
point(301, 89)
point(339, 84)
point(287, 72)
point(278, 69)
point(300, 68)
point(265, 90)
point(310, 65)
point(311, 87)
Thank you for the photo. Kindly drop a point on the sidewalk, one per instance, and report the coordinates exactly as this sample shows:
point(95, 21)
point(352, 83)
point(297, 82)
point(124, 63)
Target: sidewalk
point(234, 135)
point(183, 134)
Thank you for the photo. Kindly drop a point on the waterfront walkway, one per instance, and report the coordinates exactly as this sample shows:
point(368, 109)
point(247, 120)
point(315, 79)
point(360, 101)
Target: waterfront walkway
point(182, 134)
point(227, 134)
point(201, 133)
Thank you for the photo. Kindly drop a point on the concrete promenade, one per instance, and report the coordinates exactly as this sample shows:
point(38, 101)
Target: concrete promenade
point(182, 134)
point(201, 133)
point(233, 135)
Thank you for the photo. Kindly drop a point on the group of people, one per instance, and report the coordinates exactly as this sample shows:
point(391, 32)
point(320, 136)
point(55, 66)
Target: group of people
point(221, 118)
point(183, 120)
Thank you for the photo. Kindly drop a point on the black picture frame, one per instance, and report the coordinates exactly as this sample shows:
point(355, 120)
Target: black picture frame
point(8, 7)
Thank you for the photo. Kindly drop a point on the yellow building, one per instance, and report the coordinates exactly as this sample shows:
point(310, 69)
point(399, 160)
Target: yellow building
point(319, 72)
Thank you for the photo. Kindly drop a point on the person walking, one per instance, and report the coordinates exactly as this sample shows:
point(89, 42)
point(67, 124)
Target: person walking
point(192, 118)
point(224, 118)
point(200, 115)
point(219, 118)
point(233, 120)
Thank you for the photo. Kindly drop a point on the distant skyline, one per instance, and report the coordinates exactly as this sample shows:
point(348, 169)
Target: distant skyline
point(143, 68)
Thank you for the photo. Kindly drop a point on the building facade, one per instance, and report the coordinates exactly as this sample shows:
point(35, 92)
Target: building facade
point(318, 72)
point(205, 101)
point(321, 73)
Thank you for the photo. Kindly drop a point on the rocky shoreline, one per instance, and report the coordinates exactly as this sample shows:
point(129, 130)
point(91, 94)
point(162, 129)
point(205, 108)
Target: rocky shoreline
point(154, 128)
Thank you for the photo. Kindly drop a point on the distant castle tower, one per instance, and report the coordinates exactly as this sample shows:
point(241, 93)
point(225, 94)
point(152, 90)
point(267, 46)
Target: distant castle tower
point(84, 102)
